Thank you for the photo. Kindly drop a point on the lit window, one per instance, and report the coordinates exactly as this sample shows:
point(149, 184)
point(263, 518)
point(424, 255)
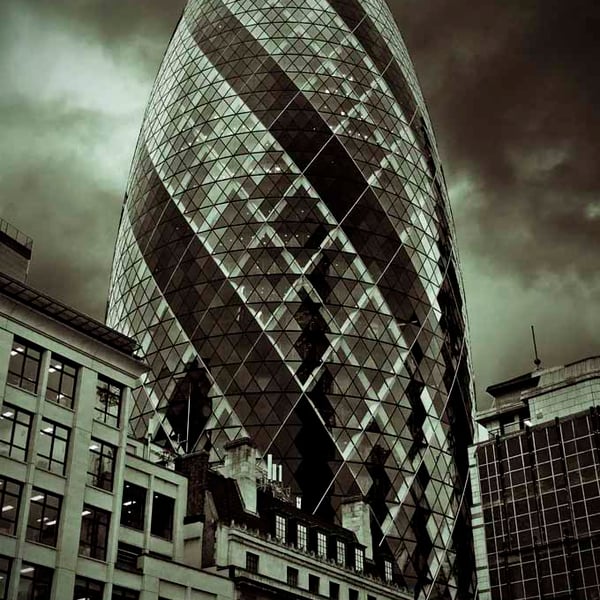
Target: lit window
point(101, 465)
point(108, 401)
point(252, 562)
point(62, 376)
point(15, 425)
point(52, 447)
point(88, 589)
point(10, 498)
point(35, 582)
point(280, 527)
point(94, 532)
point(340, 548)
point(302, 537)
point(321, 544)
point(359, 559)
point(388, 570)
point(134, 506)
point(163, 508)
point(24, 365)
point(4, 574)
point(44, 514)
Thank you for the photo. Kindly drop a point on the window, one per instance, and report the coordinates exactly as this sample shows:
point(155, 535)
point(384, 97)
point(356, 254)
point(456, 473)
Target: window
point(334, 590)
point(369, 597)
point(359, 559)
point(121, 593)
point(127, 556)
point(280, 528)
point(53, 444)
point(24, 365)
point(163, 508)
point(94, 532)
point(44, 512)
point(35, 583)
point(62, 376)
point(302, 536)
point(15, 425)
point(388, 570)
point(352, 594)
point(10, 498)
point(88, 589)
point(321, 544)
point(101, 465)
point(134, 506)
point(292, 576)
point(108, 401)
point(4, 573)
point(252, 562)
point(340, 551)
point(313, 584)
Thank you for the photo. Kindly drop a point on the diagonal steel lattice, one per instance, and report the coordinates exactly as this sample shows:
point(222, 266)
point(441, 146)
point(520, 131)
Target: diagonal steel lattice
point(286, 231)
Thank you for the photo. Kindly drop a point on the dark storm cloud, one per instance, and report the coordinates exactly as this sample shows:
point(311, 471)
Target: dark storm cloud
point(512, 87)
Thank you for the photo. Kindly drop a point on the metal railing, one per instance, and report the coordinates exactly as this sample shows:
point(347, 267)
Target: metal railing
point(15, 234)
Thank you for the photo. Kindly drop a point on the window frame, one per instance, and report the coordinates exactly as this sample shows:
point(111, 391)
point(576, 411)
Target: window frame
point(49, 462)
point(158, 521)
point(359, 559)
point(388, 570)
point(127, 519)
point(292, 576)
point(24, 348)
point(39, 576)
point(252, 562)
point(302, 536)
point(106, 393)
point(97, 476)
point(51, 519)
point(321, 545)
point(314, 583)
point(5, 570)
point(10, 498)
point(280, 528)
point(68, 370)
point(95, 522)
point(88, 585)
point(340, 552)
point(122, 593)
point(19, 419)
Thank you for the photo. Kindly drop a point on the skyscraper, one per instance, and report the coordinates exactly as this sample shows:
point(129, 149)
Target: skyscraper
point(286, 261)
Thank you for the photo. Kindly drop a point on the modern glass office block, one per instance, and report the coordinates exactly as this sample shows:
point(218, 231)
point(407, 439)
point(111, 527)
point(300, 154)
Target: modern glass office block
point(286, 261)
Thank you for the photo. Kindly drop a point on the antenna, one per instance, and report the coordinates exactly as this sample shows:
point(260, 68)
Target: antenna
point(537, 362)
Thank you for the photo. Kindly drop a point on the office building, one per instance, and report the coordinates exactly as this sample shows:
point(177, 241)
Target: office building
point(537, 484)
point(286, 262)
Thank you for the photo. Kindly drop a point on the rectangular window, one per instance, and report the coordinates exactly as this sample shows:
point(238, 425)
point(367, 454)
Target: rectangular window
point(321, 544)
point(101, 465)
point(133, 508)
point(359, 559)
point(62, 377)
point(388, 570)
point(334, 590)
point(313, 584)
point(44, 514)
point(53, 444)
point(340, 552)
point(252, 562)
point(163, 509)
point(94, 532)
point(10, 499)
point(24, 365)
point(88, 589)
point(302, 536)
point(280, 528)
point(4, 574)
point(35, 582)
point(352, 594)
point(15, 425)
point(292, 576)
point(108, 401)
point(369, 597)
point(127, 556)
point(121, 593)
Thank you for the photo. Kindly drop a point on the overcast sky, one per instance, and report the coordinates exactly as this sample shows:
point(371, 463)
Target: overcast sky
point(513, 87)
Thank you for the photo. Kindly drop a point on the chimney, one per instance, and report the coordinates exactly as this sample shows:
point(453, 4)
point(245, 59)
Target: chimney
point(195, 468)
point(240, 464)
point(356, 517)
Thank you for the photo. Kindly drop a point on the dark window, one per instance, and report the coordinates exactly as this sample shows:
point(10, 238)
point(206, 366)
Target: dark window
point(127, 556)
point(121, 593)
point(24, 365)
point(15, 425)
point(334, 590)
point(4, 574)
point(352, 594)
point(35, 582)
point(252, 562)
point(163, 508)
point(292, 576)
point(108, 401)
point(44, 514)
point(10, 499)
point(369, 597)
point(134, 506)
point(94, 532)
point(62, 376)
point(313, 584)
point(53, 444)
point(88, 589)
point(101, 465)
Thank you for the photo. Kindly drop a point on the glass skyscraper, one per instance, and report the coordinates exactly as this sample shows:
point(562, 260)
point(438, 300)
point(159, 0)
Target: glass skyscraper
point(286, 261)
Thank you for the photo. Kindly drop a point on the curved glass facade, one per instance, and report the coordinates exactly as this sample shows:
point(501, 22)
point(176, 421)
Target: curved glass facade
point(285, 259)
